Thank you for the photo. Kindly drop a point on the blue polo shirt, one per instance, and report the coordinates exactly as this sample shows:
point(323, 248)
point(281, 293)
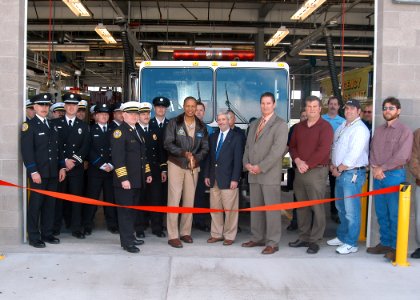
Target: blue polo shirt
point(334, 122)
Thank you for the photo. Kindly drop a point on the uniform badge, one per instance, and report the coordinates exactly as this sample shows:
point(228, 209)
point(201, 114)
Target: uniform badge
point(154, 137)
point(25, 126)
point(181, 131)
point(117, 134)
point(79, 130)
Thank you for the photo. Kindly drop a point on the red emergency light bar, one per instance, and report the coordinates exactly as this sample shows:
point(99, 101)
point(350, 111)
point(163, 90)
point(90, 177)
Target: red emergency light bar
point(214, 55)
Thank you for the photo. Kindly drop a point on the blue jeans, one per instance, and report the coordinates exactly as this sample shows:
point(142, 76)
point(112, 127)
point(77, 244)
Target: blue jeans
point(349, 209)
point(386, 207)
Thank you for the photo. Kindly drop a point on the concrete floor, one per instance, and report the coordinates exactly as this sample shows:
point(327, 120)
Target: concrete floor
point(97, 268)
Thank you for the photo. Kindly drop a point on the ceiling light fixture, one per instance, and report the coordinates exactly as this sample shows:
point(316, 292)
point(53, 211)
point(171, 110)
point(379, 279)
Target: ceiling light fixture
point(57, 47)
point(105, 34)
point(77, 7)
point(307, 9)
point(346, 53)
point(277, 37)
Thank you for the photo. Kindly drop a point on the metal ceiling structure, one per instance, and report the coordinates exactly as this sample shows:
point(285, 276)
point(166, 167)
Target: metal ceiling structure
point(245, 25)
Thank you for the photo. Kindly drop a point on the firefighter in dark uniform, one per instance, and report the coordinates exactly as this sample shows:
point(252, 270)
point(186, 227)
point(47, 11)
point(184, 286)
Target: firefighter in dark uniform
point(117, 116)
point(132, 172)
point(152, 194)
point(159, 121)
point(74, 140)
point(100, 171)
point(40, 148)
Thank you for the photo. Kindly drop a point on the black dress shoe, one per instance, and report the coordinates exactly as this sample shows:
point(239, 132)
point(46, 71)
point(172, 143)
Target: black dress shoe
point(160, 234)
point(113, 230)
point(416, 253)
point(56, 232)
point(131, 249)
point(140, 234)
point(313, 248)
point(298, 244)
point(203, 227)
point(51, 240)
point(87, 231)
point(292, 227)
point(78, 235)
point(37, 244)
point(137, 242)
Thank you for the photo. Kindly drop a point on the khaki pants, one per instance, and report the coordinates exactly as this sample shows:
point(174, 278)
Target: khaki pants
point(224, 199)
point(180, 183)
point(311, 186)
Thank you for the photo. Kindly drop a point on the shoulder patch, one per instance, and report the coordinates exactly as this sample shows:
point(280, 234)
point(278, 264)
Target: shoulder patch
point(117, 134)
point(25, 126)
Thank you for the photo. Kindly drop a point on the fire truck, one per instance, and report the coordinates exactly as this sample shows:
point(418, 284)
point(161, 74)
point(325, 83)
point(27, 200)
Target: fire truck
point(221, 86)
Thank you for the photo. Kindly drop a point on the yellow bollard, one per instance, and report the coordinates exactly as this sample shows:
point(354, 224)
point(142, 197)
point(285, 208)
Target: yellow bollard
point(364, 210)
point(403, 225)
point(2, 256)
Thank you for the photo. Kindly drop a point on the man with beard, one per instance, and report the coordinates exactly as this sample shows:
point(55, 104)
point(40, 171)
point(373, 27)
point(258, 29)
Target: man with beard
point(390, 151)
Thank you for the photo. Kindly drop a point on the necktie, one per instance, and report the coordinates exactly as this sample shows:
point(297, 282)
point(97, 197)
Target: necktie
point(145, 129)
point(70, 123)
point(260, 128)
point(104, 129)
point(46, 123)
point(160, 125)
point(219, 145)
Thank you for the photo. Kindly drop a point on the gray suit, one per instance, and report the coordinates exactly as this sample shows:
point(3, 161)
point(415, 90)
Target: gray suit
point(267, 152)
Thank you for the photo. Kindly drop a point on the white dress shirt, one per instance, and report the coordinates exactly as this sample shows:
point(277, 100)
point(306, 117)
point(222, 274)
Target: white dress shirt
point(351, 145)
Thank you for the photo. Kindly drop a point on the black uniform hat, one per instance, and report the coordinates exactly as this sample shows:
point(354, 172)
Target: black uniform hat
point(117, 107)
point(44, 98)
point(102, 108)
point(71, 98)
point(353, 102)
point(161, 101)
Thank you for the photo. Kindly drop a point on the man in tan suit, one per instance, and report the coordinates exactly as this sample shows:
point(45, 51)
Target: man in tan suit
point(265, 146)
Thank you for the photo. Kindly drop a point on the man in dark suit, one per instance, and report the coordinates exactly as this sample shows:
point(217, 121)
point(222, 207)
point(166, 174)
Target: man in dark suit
point(132, 172)
point(160, 105)
point(73, 136)
point(152, 193)
point(100, 171)
point(222, 175)
point(39, 146)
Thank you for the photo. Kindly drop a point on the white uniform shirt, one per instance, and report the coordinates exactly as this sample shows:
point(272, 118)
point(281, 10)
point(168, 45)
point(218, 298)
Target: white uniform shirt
point(351, 145)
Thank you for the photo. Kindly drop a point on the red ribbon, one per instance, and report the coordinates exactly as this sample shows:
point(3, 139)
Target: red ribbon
point(197, 210)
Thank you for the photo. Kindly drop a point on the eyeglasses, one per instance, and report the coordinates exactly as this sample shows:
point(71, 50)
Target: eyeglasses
point(367, 111)
point(390, 108)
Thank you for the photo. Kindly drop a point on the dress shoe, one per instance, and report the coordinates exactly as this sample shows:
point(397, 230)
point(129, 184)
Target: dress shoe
point(56, 232)
point(298, 244)
point(88, 231)
point(390, 255)
point(140, 234)
point(113, 230)
point(51, 240)
point(160, 234)
point(37, 244)
point(227, 242)
point(313, 248)
point(131, 249)
point(212, 240)
point(137, 242)
point(251, 244)
point(78, 234)
point(416, 253)
point(176, 243)
point(292, 226)
point(270, 250)
point(203, 227)
point(187, 239)
point(379, 249)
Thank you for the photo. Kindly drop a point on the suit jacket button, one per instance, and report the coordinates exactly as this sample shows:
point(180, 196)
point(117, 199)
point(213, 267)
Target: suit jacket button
point(215, 165)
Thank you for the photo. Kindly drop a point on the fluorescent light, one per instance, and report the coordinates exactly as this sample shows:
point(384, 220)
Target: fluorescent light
point(170, 49)
point(77, 7)
point(347, 53)
point(278, 56)
point(277, 37)
point(105, 34)
point(63, 73)
point(107, 59)
point(54, 47)
point(307, 9)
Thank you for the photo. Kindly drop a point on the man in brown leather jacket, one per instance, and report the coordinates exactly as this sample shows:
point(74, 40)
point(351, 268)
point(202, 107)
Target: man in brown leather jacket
point(186, 141)
point(415, 170)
